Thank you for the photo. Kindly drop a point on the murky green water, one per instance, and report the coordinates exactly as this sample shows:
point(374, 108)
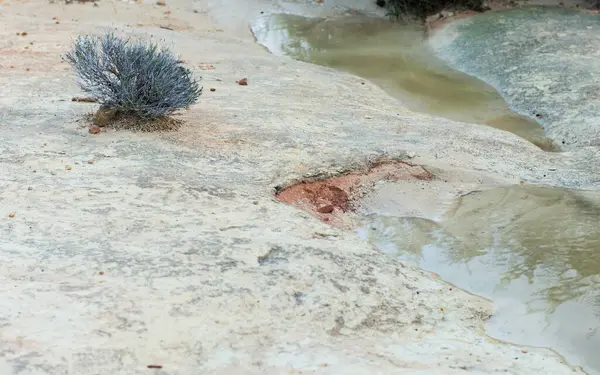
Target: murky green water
point(535, 251)
point(397, 58)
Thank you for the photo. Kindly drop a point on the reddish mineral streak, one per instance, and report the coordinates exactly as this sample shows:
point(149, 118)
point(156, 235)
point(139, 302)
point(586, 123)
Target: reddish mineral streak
point(330, 199)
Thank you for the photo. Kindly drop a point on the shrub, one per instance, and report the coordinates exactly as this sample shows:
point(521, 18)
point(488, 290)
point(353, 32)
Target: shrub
point(424, 8)
point(135, 79)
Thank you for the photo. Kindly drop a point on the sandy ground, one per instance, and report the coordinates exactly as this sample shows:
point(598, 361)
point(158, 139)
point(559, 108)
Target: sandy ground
point(123, 250)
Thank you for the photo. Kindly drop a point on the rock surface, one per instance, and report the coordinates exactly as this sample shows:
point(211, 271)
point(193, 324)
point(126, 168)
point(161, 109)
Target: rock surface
point(545, 62)
point(169, 249)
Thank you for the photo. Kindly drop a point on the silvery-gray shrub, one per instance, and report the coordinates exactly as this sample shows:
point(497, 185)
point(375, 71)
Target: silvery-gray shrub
point(135, 78)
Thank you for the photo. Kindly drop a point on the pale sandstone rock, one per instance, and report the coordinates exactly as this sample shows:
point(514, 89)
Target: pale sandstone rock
point(170, 250)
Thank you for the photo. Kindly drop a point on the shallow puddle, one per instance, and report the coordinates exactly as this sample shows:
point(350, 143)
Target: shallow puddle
point(535, 251)
point(397, 58)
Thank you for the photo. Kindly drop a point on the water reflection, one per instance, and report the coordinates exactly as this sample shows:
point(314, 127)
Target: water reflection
point(534, 250)
point(396, 57)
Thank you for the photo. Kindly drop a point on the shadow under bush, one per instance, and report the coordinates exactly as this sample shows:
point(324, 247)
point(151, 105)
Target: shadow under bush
point(424, 8)
point(137, 81)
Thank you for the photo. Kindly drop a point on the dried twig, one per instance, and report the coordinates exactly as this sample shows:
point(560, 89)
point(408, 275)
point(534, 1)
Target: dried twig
point(85, 100)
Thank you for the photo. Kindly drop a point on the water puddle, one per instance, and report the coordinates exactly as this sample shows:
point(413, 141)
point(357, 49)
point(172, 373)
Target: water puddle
point(535, 251)
point(396, 57)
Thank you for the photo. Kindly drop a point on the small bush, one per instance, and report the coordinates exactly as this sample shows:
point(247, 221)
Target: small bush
point(424, 8)
point(136, 79)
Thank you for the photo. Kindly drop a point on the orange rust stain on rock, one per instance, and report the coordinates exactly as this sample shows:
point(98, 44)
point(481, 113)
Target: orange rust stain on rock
point(330, 199)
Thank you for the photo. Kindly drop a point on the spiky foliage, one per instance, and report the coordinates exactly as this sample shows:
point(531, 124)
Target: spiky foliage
point(135, 78)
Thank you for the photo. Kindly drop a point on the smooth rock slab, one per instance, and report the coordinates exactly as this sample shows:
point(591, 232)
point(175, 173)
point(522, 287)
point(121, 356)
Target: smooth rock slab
point(545, 62)
point(170, 249)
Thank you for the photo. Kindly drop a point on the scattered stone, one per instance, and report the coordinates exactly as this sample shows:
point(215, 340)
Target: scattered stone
point(325, 209)
point(162, 3)
point(167, 12)
point(11, 215)
point(213, 89)
point(242, 82)
point(94, 129)
point(68, 167)
point(91, 161)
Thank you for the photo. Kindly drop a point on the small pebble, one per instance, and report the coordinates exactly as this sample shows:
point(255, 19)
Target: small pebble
point(327, 209)
point(11, 215)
